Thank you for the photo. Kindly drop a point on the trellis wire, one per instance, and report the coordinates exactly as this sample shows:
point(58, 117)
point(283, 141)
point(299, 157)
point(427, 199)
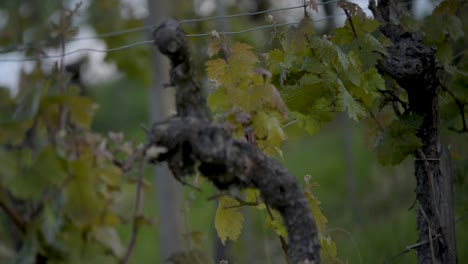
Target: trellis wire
point(33, 58)
point(132, 30)
point(137, 29)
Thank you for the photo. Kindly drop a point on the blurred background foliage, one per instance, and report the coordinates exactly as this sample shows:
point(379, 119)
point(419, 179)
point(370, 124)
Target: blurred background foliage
point(369, 207)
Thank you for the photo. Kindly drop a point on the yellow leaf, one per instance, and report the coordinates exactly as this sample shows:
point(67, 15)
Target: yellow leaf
point(253, 196)
point(110, 175)
point(107, 219)
point(320, 219)
point(277, 224)
point(267, 126)
point(328, 252)
point(216, 69)
point(241, 62)
point(215, 46)
point(228, 221)
point(218, 99)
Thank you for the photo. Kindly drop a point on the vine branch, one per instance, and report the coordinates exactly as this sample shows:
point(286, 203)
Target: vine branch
point(15, 218)
point(137, 212)
point(461, 108)
point(194, 143)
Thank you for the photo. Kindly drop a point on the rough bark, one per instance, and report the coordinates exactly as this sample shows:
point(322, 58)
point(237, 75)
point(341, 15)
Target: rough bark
point(193, 142)
point(416, 69)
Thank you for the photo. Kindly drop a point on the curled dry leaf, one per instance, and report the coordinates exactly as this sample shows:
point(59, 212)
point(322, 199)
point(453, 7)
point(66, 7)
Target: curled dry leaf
point(278, 103)
point(313, 5)
point(154, 151)
point(352, 8)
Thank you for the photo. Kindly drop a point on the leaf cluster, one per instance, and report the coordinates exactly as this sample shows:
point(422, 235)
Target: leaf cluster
point(61, 184)
point(243, 95)
point(319, 76)
point(67, 178)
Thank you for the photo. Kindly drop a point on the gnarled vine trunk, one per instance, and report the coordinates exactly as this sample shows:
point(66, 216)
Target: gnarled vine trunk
point(416, 69)
point(193, 142)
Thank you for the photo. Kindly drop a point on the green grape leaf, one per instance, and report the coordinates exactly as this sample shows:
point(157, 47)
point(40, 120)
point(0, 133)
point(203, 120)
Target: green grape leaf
point(299, 97)
point(369, 25)
point(342, 36)
point(369, 42)
point(367, 91)
point(218, 100)
point(47, 170)
point(14, 132)
point(228, 220)
point(313, 117)
point(252, 98)
point(81, 108)
point(410, 23)
point(275, 61)
point(296, 37)
point(326, 51)
point(290, 60)
point(454, 28)
point(307, 122)
point(265, 95)
point(82, 204)
point(447, 7)
point(308, 81)
point(436, 28)
point(10, 168)
point(398, 140)
point(312, 65)
point(445, 53)
point(370, 50)
point(355, 110)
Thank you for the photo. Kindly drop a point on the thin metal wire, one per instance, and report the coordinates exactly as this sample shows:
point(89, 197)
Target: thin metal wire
point(77, 51)
point(111, 34)
point(251, 13)
point(152, 41)
point(137, 29)
point(243, 31)
point(260, 28)
point(54, 43)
